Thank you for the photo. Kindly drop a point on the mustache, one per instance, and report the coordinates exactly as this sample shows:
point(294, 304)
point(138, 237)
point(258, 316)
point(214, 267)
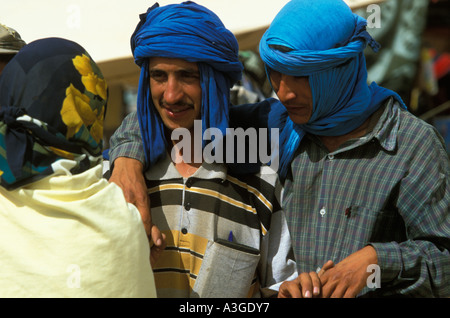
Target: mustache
point(163, 103)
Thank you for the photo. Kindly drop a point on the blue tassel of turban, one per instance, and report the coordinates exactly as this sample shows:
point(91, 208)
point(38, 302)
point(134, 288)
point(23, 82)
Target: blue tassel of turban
point(193, 33)
point(325, 42)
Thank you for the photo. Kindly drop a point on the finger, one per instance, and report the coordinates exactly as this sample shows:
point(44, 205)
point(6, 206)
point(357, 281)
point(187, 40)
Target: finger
point(329, 283)
point(329, 264)
point(351, 292)
point(156, 251)
point(156, 236)
point(339, 291)
point(306, 285)
point(289, 289)
point(316, 284)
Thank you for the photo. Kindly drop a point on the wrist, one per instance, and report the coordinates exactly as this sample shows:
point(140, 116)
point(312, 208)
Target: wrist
point(128, 163)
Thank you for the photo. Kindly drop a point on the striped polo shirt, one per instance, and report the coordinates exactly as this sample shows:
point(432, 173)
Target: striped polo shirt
point(210, 206)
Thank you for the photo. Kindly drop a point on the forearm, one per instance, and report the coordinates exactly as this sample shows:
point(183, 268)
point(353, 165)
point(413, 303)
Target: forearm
point(416, 267)
point(420, 265)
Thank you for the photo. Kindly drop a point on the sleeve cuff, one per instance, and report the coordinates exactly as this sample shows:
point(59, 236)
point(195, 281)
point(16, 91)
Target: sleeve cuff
point(124, 152)
point(389, 260)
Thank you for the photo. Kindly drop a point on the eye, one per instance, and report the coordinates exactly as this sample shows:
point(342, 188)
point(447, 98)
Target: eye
point(158, 76)
point(189, 76)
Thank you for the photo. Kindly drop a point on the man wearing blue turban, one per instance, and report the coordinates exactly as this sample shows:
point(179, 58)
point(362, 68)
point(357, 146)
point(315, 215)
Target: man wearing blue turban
point(222, 234)
point(366, 184)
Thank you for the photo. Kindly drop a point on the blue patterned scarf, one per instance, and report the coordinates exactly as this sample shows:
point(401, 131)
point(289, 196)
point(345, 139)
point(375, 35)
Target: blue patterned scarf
point(325, 42)
point(193, 33)
point(52, 105)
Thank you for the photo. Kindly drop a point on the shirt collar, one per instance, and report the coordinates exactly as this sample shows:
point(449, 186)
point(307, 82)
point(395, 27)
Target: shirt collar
point(386, 129)
point(383, 126)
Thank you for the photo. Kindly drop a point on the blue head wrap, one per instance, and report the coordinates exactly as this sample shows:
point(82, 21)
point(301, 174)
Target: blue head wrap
point(325, 42)
point(193, 33)
point(52, 104)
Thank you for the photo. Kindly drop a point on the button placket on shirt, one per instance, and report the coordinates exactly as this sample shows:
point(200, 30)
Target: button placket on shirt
point(325, 175)
point(186, 207)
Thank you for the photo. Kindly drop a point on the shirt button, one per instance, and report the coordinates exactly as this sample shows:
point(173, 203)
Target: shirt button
point(331, 157)
point(184, 230)
point(189, 183)
point(322, 212)
point(187, 206)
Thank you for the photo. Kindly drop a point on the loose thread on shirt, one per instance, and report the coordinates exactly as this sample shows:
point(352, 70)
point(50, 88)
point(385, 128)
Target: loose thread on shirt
point(348, 212)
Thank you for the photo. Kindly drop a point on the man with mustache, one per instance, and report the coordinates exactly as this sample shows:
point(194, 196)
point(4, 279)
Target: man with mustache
point(223, 236)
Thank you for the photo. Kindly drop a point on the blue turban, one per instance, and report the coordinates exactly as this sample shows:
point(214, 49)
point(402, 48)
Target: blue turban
point(325, 42)
point(193, 33)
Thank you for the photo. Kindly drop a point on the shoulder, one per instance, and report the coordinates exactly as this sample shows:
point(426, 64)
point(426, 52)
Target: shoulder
point(420, 142)
point(263, 185)
point(416, 131)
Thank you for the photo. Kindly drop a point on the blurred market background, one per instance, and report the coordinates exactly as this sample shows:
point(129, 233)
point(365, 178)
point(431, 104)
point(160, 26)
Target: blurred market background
point(414, 58)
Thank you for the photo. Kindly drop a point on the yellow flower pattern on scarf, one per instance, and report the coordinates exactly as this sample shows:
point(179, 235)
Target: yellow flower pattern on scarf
point(90, 79)
point(82, 109)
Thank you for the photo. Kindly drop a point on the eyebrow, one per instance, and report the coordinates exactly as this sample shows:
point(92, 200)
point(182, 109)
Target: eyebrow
point(183, 70)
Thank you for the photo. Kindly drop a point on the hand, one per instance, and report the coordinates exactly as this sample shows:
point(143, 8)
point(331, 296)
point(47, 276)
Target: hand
point(128, 175)
point(306, 285)
point(350, 275)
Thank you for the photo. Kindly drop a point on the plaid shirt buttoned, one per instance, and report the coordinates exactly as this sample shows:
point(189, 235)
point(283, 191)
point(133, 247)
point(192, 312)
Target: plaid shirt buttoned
point(389, 189)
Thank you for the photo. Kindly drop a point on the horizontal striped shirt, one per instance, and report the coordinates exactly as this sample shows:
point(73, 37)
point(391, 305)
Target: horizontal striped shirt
point(211, 205)
point(389, 189)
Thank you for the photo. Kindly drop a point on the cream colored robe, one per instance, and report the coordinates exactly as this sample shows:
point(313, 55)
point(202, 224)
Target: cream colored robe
point(72, 236)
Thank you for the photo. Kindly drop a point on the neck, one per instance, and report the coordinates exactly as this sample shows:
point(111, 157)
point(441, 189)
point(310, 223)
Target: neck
point(332, 143)
point(185, 166)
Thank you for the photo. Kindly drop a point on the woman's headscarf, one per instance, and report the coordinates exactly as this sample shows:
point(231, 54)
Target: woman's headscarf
point(52, 104)
point(325, 42)
point(193, 33)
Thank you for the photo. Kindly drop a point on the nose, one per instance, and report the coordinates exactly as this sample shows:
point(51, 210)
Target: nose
point(173, 92)
point(286, 90)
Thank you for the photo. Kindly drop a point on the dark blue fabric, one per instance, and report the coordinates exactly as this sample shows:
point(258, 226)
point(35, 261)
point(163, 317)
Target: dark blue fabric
point(33, 93)
point(193, 33)
point(326, 42)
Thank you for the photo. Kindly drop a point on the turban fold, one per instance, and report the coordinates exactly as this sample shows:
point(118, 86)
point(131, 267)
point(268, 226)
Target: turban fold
point(324, 41)
point(52, 104)
point(193, 33)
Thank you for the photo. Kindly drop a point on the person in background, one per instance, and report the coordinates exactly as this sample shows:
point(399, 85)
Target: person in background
point(10, 44)
point(226, 235)
point(64, 230)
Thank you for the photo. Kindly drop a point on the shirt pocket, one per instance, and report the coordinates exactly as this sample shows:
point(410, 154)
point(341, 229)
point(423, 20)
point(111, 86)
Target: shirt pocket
point(366, 225)
point(226, 271)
